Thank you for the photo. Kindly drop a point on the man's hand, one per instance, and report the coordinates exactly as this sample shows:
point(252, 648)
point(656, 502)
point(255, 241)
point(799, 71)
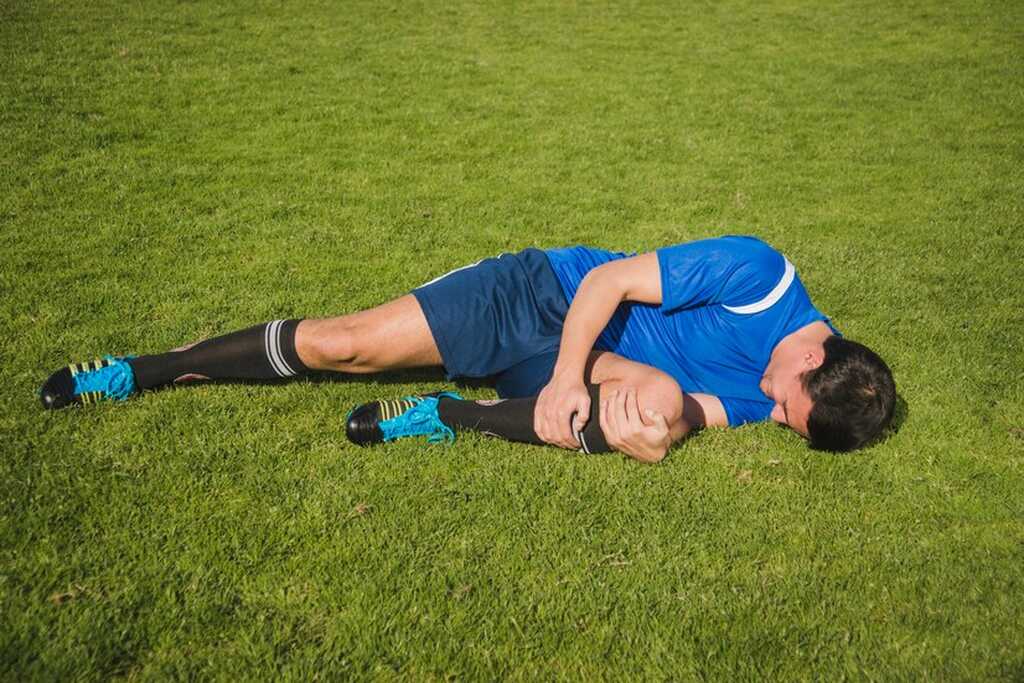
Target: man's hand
point(636, 278)
point(627, 432)
point(553, 418)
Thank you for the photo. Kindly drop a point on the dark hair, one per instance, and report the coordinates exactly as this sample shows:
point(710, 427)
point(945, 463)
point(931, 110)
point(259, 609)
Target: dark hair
point(853, 397)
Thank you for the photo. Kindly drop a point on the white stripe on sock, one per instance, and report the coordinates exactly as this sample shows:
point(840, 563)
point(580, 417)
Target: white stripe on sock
point(266, 347)
point(583, 442)
point(270, 334)
point(276, 340)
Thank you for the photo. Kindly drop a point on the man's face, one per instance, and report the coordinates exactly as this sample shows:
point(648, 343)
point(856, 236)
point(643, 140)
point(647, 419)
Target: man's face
point(781, 383)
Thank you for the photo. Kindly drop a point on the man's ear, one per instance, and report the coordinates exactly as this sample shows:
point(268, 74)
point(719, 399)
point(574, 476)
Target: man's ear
point(813, 358)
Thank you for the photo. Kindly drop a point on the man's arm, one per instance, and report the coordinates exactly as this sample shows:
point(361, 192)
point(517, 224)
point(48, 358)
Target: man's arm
point(645, 434)
point(645, 423)
point(636, 278)
point(732, 271)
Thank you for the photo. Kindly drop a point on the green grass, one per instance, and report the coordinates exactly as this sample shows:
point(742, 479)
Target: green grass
point(171, 170)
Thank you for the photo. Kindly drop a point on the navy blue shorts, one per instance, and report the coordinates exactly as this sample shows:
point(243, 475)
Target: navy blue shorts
point(501, 318)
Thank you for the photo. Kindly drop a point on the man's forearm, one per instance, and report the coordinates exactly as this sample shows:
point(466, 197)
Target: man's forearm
point(593, 306)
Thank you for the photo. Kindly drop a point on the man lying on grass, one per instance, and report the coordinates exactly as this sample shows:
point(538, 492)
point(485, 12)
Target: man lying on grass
point(589, 349)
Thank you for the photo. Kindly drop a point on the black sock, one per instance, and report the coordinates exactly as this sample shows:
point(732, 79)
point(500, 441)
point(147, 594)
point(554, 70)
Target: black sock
point(265, 351)
point(512, 419)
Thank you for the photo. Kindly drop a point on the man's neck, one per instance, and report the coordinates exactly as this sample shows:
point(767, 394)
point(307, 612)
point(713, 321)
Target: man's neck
point(814, 333)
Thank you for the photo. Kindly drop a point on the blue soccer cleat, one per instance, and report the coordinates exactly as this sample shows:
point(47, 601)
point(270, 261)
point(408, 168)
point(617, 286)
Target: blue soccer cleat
point(380, 421)
point(107, 378)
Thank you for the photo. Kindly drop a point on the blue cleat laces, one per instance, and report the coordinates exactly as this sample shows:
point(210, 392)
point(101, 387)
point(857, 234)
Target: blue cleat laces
point(420, 420)
point(114, 379)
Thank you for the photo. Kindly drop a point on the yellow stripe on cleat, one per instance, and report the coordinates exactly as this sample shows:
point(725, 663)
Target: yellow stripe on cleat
point(73, 369)
point(392, 408)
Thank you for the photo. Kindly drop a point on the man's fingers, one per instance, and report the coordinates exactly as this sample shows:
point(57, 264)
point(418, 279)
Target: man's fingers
point(606, 426)
point(563, 428)
point(620, 410)
point(606, 422)
point(540, 420)
point(615, 412)
point(632, 407)
point(582, 415)
point(573, 442)
point(657, 420)
point(572, 419)
point(546, 415)
point(548, 432)
point(559, 415)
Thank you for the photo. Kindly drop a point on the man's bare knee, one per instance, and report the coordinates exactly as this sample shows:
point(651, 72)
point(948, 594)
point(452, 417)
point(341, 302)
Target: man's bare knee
point(334, 344)
point(656, 391)
point(393, 335)
point(661, 393)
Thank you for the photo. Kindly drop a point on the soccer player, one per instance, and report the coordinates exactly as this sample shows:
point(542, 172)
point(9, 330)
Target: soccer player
point(589, 349)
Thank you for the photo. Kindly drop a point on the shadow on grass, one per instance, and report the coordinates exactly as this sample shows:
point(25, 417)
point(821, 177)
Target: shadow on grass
point(410, 376)
point(899, 417)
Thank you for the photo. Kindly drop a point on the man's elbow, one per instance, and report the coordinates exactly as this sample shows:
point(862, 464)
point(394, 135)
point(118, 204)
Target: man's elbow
point(604, 278)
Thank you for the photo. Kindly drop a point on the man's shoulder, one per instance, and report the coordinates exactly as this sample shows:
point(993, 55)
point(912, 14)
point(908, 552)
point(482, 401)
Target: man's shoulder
point(750, 246)
point(726, 250)
point(758, 269)
point(580, 257)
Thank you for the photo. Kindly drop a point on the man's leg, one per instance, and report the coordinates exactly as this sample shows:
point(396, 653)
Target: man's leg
point(394, 335)
point(606, 373)
point(512, 419)
point(656, 390)
point(388, 337)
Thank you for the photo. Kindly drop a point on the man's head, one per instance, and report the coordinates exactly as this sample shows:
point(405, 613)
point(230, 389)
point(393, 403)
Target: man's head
point(838, 394)
point(853, 396)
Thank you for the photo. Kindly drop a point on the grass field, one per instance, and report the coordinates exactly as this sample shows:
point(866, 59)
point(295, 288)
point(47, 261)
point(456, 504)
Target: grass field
point(173, 170)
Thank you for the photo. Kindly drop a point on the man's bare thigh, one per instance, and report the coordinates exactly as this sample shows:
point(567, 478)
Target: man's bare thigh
point(391, 336)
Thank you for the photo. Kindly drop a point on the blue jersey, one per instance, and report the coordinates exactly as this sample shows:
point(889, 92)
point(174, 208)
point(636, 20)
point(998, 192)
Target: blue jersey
point(726, 303)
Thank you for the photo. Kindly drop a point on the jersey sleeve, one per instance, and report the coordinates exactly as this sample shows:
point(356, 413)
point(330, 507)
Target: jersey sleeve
point(740, 411)
point(733, 271)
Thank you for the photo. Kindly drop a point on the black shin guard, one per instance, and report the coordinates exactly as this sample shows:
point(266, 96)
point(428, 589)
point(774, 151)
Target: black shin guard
point(262, 352)
point(512, 419)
